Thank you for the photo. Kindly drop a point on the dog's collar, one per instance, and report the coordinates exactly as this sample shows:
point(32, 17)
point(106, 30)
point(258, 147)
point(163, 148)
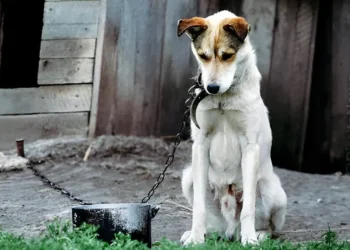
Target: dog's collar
point(197, 98)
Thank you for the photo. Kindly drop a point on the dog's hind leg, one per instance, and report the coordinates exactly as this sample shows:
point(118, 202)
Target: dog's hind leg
point(187, 184)
point(271, 211)
point(278, 218)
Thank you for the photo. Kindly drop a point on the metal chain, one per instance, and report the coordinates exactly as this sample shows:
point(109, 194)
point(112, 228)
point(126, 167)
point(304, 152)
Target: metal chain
point(169, 159)
point(161, 176)
point(177, 140)
point(54, 185)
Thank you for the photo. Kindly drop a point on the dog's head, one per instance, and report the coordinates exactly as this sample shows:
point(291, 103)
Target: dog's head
point(216, 43)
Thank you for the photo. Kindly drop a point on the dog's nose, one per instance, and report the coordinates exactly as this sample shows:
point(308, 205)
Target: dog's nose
point(213, 88)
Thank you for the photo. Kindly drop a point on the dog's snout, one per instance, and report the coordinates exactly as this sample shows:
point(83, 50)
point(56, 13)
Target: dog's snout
point(213, 88)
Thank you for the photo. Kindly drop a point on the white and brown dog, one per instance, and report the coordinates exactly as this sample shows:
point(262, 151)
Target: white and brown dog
point(231, 184)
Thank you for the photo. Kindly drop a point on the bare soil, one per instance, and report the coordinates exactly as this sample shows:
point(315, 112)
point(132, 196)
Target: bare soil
point(123, 169)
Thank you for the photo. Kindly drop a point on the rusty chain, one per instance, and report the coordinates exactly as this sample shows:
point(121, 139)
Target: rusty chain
point(177, 140)
point(170, 157)
point(54, 185)
point(161, 176)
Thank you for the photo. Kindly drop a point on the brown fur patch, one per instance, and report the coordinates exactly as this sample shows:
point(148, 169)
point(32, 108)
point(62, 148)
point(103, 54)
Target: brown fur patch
point(238, 25)
point(220, 43)
point(231, 189)
point(185, 24)
point(225, 43)
point(239, 204)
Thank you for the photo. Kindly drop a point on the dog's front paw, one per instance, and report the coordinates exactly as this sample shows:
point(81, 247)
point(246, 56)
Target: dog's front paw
point(262, 235)
point(185, 236)
point(192, 237)
point(249, 238)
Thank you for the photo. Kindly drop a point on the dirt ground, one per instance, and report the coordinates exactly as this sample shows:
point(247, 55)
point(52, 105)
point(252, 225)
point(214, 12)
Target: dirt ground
point(123, 169)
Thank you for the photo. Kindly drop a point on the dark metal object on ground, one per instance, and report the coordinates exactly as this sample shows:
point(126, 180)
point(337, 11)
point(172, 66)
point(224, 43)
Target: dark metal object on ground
point(20, 147)
point(133, 218)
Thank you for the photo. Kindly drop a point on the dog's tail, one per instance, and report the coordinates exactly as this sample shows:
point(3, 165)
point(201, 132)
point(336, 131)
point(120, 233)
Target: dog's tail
point(187, 184)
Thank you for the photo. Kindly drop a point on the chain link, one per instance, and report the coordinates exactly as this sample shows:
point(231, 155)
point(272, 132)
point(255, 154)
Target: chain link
point(177, 140)
point(54, 185)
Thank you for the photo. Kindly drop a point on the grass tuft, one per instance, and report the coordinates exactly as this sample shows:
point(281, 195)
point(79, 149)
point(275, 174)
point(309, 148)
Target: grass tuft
point(61, 236)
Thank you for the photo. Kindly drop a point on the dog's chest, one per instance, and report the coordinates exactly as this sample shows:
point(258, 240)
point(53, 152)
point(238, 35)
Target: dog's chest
point(225, 147)
point(225, 150)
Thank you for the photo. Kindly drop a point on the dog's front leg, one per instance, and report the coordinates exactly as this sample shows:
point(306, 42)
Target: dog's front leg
point(250, 163)
point(200, 166)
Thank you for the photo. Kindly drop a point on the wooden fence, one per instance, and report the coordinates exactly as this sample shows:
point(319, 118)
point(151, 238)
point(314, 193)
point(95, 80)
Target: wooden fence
point(146, 71)
point(146, 68)
point(52, 55)
point(118, 67)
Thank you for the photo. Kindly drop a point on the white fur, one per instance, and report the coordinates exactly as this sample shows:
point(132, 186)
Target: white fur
point(233, 147)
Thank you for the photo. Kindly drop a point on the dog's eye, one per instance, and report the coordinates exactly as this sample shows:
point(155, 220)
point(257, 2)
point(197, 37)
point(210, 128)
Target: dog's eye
point(226, 56)
point(203, 56)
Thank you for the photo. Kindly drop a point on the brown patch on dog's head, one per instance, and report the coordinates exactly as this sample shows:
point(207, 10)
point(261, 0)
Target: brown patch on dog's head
point(230, 37)
point(193, 26)
point(216, 41)
point(237, 26)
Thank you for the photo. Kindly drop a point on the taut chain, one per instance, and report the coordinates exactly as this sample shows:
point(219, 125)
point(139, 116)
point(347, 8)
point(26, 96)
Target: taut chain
point(161, 176)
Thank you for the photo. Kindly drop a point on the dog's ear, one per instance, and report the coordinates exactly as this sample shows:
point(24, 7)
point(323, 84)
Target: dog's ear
point(238, 26)
point(193, 27)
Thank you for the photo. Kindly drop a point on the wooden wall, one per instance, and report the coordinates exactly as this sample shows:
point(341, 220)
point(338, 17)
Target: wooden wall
point(146, 67)
point(118, 67)
point(327, 146)
point(62, 102)
point(147, 71)
point(288, 89)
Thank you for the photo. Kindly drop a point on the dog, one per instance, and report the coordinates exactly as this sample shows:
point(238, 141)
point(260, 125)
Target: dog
point(230, 184)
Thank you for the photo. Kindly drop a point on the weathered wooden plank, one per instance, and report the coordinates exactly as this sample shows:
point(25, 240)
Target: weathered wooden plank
point(318, 136)
point(41, 126)
point(128, 81)
point(305, 39)
point(69, 31)
point(45, 99)
point(290, 76)
point(137, 97)
point(62, 71)
point(97, 70)
point(261, 16)
point(71, 12)
point(75, 48)
point(279, 80)
point(340, 94)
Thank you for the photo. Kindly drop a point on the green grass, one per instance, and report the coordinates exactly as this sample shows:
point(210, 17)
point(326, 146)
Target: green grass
point(60, 235)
